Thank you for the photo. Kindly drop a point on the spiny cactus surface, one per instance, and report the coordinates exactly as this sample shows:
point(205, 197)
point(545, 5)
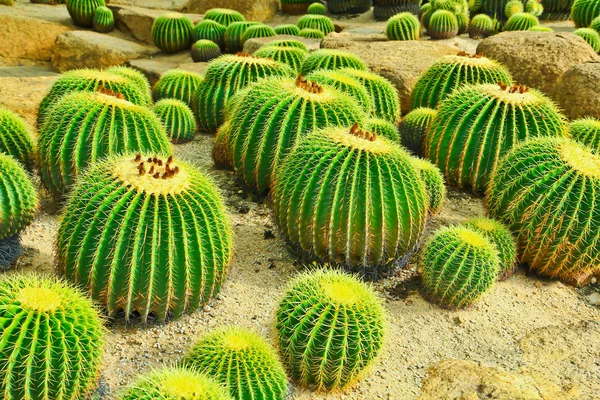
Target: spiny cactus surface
point(177, 119)
point(294, 57)
point(586, 131)
point(18, 197)
point(287, 29)
point(209, 30)
point(177, 84)
point(134, 76)
point(103, 21)
point(82, 11)
point(224, 16)
point(583, 12)
point(590, 36)
point(15, 137)
point(234, 34)
point(344, 83)
point(413, 128)
point(309, 33)
point(172, 32)
point(520, 22)
point(501, 237)
point(442, 25)
point(434, 184)
point(480, 27)
point(205, 50)
point(331, 60)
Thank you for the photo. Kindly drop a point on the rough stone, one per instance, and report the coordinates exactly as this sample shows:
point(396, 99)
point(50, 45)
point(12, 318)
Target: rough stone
point(23, 95)
point(251, 45)
point(86, 49)
point(537, 59)
point(255, 10)
point(173, 5)
point(154, 67)
point(578, 90)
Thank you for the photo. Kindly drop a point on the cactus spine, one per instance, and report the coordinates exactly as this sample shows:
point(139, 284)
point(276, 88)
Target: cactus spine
point(319, 22)
point(18, 197)
point(287, 29)
point(177, 84)
point(234, 34)
point(403, 26)
point(316, 9)
point(82, 11)
point(258, 31)
point(205, 50)
point(209, 30)
point(344, 83)
point(15, 138)
point(521, 22)
point(434, 184)
point(223, 16)
point(103, 21)
point(382, 128)
point(287, 55)
point(583, 12)
point(413, 128)
point(501, 237)
point(590, 36)
point(172, 32)
point(587, 132)
point(311, 34)
point(177, 119)
point(481, 26)
point(331, 60)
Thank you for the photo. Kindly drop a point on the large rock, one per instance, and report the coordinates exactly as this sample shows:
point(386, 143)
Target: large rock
point(23, 95)
point(578, 90)
point(537, 59)
point(251, 45)
point(86, 49)
point(253, 10)
point(402, 62)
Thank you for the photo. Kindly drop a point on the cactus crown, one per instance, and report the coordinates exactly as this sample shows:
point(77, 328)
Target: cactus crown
point(581, 159)
point(144, 174)
point(311, 87)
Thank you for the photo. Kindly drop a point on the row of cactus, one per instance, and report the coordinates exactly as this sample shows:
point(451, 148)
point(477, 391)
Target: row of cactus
point(444, 19)
point(583, 12)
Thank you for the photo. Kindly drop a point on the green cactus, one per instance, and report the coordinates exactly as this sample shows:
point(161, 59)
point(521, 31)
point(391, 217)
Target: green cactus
point(116, 237)
point(442, 25)
point(382, 128)
point(258, 31)
point(224, 77)
point(467, 149)
point(583, 12)
point(544, 190)
point(557, 9)
point(512, 7)
point(413, 128)
point(241, 361)
point(384, 96)
point(7, 2)
point(403, 26)
point(452, 72)
point(177, 84)
point(220, 152)
point(344, 83)
point(10, 251)
point(85, 127)
point(534, 7)
point(209, 30)
point(287, 29)
point(15, 138)
point(481, 26)
point(175, 383)
point(539, 28)
point(434, 184)
point(288, 43)
point(474, 5)
point(82, 11)
point(331, 60)
point(287, 55)
point(587, 132)
point(18, 197)
point(311, 34)
point(348, 6)
point(385, 12)
point(458, 265)
point(177, 118)
point(205, 50)
point(295, 7)
point(331, 328)
point(463, 22)
point(134, 76)
point(595, 24)
point(336, 175)
point(520, 22)
point(316, 9)
point(590, 36)
point(224, 16)
point(319, 22)
point(234, 34)
point(172, 32)
point(52, 340)
point(502, 238)
point(103, 20)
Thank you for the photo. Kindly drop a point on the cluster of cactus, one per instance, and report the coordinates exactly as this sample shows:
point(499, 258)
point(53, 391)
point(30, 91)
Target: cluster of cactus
point(148, 200)
point(521, 22)
point(15, 138)
point(209, 30)
point(177, 118)
point(103, 21)
point(345, 196)
point(590, 36)
point(308, 33)
point(316, 9)
point(205, 50)
point(295, 7)
point(234, 34)
point(481, 26)
point(587, 132)
point(292, 56)
point(414, 126)
point(319, 22)
point(385, 9)
point(556, 9)
point(344, 83)
point(444, 19)
point(287, 29)
point(383, 128)
point(134, 76)
point(403, 26)
point(583, 12)
point(258, 31)
point(348, 6)
point(544, 190)
point(331, 60)
point(82, 11)
point(241, 361)
point(177, 84)
point(223, 16)
point(172, 32)
point(52, 340)
point(434, 184)
point(478, 124)
point(502, 238)
point(331, 328)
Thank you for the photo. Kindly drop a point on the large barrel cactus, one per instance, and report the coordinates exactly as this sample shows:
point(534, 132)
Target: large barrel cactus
point(413, 128)
point(224, 16)
point(583, 12)
point(172, 32)
point(344, 196)
point(557, 9)
point(476, 125)
point(82, 11)
point(331, 327)
point(15, 138)
point(295, 7)
point(404, 26)
point(177, 84)
point(545, 191)
point(587, 132)
point(434, 184)
point(331, 60)
point(145, 234)
point(501, 237)
point(18, 197)
point(344, 83)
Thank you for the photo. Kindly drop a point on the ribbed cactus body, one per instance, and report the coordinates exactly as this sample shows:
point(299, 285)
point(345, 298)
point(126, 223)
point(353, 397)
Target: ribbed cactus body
point(224, 16)
point(539, 28)
point(452, 72)
point(331, 327)
point(557, 9)
point(172, 32)
point(309, 33)
point(404, 26)
point(474, 5)
point(287, 29)
point(344, 83)
point(494, 8)
point(442, 25)
point(413, 128)
point(346, 197)
point(480, 27)
point(320, 22)
point(434, 184)
point(501, 237)
point(177, 84)
point(348, 6)
point(209, 30)
point(595, 24)
point(476, 125)
point(241, 361)
point(288, 43)
point(316, 9)
point(587, 132)
point(205, 50)
point(520, 22)
point(83, 128)
point(135, 76)
point(383, 13)
point(544, 190)
point(175, 383)
point(52, 340)
point(295, 7)
point(234, 34)
point(220, 150)
point(103, 21)
point(291, 56)
point(177, 118)
point(331, 60)
point(463, 22)
point(258, 31)
point(590, 36)
point(513, 7)
point(458, 265)
point(583, 12)
point(82, 11)
point(382, 128)
point(226, 76)
point(15, 138)
point(117, 237)
point(18, 197)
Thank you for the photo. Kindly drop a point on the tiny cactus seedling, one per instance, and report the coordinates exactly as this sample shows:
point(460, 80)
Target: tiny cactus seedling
point(316, 9)
point(291, 56)
point(458, 265)
point(224, 16)
point(344, 83)
point(520, 22)
point(241, 361)
point(258, 31)
point(18, 197)
point(209, 30)
point(590, 36)
point(545, 191)
point(134, 206)
point(413, 128)
point(234, 34)
point(103, 21)
point(172, 32)
point(452, 72)
point(434, 184)
point(404, 26)
point(15, 138)
point(205, 50)
point(583, 12)
point(295, 7)
point(177, 84)
point(319, 22)
point(331, 60)
point(308, 33)
point(288, 43)
point(587, 132)
point(329, 349)
point(501, 237)
point(287, 29)
point(135, 76)
point(512, 7)
point(85, 127)
point(383, 128)
point(175, 383)
point(442, 25)
point(52, 340)
point(481, 26)
point(540, 28)
point(82, 11)
point(468, 150)
point(177, 119)
point(347, 197)
point(348, 6)
point(10, 251)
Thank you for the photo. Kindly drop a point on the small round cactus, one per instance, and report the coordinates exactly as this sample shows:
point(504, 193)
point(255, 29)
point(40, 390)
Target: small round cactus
point(205, 50)
point(291, 56)
point(134, 206)
point(172, 32)
point(452, 72)
point(587, 132)
point(590, 36)
point(556, 9)
point(442, 25)
point(85, 127)
point(539, 28)
point(545, 191)
point(225, 76)
point(468, 150)
point(177, 84)
point(319, 22)
point(583, 12)
point(15, 138)
point(234, 34)
point(287, 29)
point(512, 7)
point(241, 361)
point(348, 6)
point(223, 16)
point(463, 22)
point(434, 184)
point(175, 383)
point(521, 22)
point(414, 126)
point(316, 9)
point(458, 265)
point(308, 33)
point(103, 21)
point(295, 7)
point(337, 174)
point(18, 197)
point(404, 26)
point(331, 60)
point(82, 11)
point(258, 31)
point(52, 340)
point(595, 24)
point(177, 119)
point(501, 237)
point(345, 84)
point(331, 348)
point(481, 26)
point(383, 128)
point(220, 150)
point(209, 30)
point(288, 43)
point(135, 76)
